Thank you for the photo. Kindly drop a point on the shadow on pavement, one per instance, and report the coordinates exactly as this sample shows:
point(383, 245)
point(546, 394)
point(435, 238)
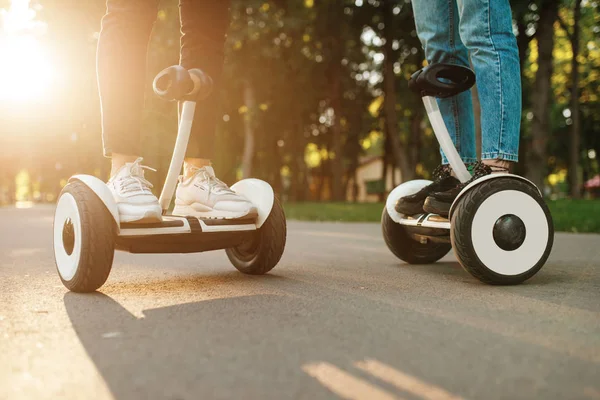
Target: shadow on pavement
point(300, 344)
point(225, 348)
point(191, 282)
point(453, 270)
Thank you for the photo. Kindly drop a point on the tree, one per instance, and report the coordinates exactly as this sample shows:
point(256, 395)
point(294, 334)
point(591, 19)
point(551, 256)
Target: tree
point(537, 162)
point(310, 86)
point(335, 45)
point(574, 144)
point(525, 20)
point(400, 153)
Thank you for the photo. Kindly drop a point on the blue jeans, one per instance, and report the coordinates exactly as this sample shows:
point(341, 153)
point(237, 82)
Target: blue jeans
point(451, 31)
point(121, 67)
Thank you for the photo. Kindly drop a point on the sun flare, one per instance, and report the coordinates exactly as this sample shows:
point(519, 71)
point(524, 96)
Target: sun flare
point(26, 71)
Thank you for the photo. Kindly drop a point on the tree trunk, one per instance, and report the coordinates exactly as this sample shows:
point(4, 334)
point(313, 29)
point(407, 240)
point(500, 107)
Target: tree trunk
point(391, 163)
point(353, 148)
point(385, 163)
point(249, 136)
point(415, 133)
point(355, 186)
point(389, 84)
point(276, 164)
point(336, 9)
point(353, 155)
point(299, 179)
point(523, 42)
point(323, 180)
point(575, 142)
point(337, 145)
point(540, 129)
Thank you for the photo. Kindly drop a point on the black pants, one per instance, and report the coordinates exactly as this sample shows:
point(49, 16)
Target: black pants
point(121, 66)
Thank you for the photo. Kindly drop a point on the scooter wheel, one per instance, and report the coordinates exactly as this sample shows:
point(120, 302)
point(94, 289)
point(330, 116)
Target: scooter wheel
point(261, 254)
point(84, 239)
point(406, 248)
point(502, 231)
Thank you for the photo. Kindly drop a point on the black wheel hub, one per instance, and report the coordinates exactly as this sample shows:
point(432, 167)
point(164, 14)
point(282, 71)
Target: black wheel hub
point(68, 236)
point(247, 250)
point(509, 232)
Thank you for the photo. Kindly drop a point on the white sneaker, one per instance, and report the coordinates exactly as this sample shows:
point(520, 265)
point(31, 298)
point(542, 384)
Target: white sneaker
point(132, 193)
point(203, 195)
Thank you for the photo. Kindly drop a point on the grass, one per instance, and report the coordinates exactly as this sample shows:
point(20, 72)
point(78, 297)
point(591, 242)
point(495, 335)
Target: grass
point(340, 212)
point(576, 215)
point(568, 215)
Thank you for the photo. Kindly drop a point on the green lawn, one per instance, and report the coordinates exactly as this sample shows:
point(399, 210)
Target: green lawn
point(576, 215)
point(342, 212)
point(569, 215)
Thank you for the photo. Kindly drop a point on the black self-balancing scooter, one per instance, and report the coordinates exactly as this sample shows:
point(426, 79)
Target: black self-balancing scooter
point(499, 226)
point(86, 221)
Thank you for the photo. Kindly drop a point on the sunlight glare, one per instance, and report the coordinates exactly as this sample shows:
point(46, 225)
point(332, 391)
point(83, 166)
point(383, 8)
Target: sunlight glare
point(26, 72)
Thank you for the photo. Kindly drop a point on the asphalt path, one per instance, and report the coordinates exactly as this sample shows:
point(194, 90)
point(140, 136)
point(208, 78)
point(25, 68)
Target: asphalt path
point(339, 318)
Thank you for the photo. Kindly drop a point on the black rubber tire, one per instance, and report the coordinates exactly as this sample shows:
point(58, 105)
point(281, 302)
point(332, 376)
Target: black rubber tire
point(462, 221)
point(264, 252)
point(97, 240)
point(408, 249)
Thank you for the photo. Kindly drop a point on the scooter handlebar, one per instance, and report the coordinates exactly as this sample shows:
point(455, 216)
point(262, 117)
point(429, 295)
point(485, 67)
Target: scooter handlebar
point(442, 80)
point(176, 83)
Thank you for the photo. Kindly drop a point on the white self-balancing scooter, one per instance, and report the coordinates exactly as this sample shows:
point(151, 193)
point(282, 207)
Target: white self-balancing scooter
point(499, 226)
point(86, 221)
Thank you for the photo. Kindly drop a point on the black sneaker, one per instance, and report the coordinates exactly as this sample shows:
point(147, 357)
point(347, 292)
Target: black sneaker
point(442, 181)
point(439, 202)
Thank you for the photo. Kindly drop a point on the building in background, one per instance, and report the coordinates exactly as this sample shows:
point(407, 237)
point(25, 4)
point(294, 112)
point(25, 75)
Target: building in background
point(370, 185)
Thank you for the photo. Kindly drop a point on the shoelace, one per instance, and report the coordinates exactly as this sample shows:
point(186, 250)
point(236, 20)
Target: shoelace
point(479, 170)
point(136, 176)
point(442, 171)
point(212, 181)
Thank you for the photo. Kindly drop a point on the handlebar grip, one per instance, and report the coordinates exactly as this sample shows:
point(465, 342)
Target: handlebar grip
point(203, 84)
point(428, 81)
point(175, 83)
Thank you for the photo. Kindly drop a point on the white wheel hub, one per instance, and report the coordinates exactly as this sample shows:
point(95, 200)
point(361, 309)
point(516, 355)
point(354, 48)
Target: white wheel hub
point(527, 255)
point(67, 236)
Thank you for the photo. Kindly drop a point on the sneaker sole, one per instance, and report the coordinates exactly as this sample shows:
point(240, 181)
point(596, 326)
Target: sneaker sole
point(146, 217)
point(434, 206)
point(190, 211)
point(409, 208)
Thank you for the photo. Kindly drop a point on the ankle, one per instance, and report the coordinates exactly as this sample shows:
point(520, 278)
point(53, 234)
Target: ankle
point(118, 160)
point(190, 165)
point(498, 165)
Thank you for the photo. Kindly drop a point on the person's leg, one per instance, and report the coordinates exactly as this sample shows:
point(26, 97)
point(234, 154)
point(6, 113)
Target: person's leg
point(437, 28)
point(204, 26)
point(487, 31)
point(437, 23)
point(199, 193)
point(121, 67)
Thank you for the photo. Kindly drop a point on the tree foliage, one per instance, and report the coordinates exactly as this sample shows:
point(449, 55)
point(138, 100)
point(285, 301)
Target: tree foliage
point(306, 95)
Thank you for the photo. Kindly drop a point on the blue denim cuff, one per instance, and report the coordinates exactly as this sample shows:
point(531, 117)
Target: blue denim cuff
point(500, 156)
point(465, 160)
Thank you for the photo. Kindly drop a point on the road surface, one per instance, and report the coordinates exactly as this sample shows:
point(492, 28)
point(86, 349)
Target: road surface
point(339, 318)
